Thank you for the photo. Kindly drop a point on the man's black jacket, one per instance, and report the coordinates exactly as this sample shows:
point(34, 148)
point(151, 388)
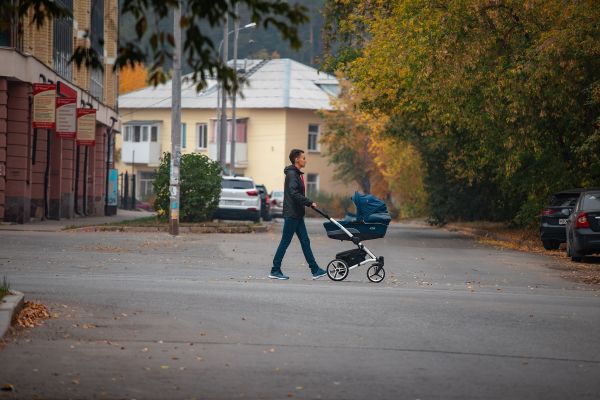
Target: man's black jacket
point(294, 199)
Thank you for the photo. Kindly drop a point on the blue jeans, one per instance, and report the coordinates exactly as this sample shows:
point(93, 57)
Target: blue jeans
point(291, 226)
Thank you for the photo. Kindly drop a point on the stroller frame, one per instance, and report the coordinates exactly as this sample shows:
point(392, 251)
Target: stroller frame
point(338, 269)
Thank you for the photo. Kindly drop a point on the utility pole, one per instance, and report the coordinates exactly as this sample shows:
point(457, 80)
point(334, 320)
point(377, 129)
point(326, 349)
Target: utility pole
point(223, 125)
point(175, 126)
point(236, 30)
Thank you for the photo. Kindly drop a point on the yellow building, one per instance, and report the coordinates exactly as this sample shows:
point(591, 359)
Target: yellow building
point(276, 112)
point(44, 174)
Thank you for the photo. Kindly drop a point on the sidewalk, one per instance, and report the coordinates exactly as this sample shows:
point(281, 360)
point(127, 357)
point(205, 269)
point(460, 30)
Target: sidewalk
point(53, 225)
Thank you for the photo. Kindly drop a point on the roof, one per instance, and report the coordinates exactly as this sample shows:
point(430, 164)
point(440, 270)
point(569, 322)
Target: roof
point(280, 83)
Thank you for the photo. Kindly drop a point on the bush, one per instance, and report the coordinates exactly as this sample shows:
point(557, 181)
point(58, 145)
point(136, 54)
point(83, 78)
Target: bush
point(199, 183)
point(335, 205)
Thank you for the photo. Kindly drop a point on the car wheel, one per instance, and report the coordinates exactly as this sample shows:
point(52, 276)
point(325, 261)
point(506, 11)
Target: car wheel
point(551, 244)
point(572, 252)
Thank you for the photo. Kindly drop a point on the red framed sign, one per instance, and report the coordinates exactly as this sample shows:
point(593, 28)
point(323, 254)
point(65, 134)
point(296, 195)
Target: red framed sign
point(44, 105)
point(66, 117)
point(86, 126)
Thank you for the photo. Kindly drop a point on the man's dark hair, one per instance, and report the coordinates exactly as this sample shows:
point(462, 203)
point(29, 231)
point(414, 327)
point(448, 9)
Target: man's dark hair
point(295, 154)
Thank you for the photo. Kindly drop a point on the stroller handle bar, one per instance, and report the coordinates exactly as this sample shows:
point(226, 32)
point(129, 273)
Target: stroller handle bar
point(323, 213)
point(355, 239)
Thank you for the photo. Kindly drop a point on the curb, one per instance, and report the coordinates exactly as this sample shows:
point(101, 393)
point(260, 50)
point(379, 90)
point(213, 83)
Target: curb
point(9, 308)
point(182, 229)
point(476, 232)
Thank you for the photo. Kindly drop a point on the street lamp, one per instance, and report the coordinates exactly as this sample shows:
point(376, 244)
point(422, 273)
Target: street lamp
point(222, 99)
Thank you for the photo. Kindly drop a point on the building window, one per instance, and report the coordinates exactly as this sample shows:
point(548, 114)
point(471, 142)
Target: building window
point(140, 133)
point(312, 184)
point(313, 138)
point(183, 136)
point(97, 39)
point(202, 130)
point(62, 41)
point(146, 185)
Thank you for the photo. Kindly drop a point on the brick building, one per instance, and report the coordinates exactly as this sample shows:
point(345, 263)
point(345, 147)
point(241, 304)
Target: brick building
point(43, 175)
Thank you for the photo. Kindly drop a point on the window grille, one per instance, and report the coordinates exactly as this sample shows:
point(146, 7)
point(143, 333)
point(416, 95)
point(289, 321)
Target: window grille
point(97, 39)
point(63, 42)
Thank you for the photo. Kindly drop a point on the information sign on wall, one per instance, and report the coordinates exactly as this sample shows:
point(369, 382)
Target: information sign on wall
point(66, 117)
point(44, 105)
point(86, 126)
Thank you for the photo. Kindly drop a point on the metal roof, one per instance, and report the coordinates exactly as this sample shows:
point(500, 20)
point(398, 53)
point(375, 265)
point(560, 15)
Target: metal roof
point(280, 83)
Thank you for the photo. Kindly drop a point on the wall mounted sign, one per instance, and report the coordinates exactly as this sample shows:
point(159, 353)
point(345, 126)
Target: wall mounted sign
point(86, 126)
point(66, 117)
point(44, 105)
point(63, 90)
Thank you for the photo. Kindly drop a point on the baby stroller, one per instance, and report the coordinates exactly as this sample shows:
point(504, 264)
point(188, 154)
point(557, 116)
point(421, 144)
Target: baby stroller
point(370, 222)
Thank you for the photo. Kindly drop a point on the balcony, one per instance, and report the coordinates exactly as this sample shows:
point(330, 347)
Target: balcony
point(141, 144)
point(141, 153)
point(241, 153)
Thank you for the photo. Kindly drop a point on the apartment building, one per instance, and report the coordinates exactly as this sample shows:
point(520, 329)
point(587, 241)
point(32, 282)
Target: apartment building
point(44, 174)
point(277, 111)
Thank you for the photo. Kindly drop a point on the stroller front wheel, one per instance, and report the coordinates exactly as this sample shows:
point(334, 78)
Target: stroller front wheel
point(376, 273)
point(337, 270)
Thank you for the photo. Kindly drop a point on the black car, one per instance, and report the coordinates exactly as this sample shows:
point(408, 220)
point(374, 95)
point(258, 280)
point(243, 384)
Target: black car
point(265, 204)
point(554, 218)
point(583, 226)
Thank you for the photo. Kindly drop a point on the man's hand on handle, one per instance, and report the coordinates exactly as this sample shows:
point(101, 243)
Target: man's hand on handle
point(313, 205)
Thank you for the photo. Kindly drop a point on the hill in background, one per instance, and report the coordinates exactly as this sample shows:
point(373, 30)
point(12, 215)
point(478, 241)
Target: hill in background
point(254, 42)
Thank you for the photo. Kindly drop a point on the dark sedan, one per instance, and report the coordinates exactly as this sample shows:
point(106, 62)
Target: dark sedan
point(554, 217)
point(265, 205)
point(583, 226)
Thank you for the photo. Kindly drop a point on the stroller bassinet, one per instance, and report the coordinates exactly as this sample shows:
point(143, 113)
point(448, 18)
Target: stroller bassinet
point(370, 222)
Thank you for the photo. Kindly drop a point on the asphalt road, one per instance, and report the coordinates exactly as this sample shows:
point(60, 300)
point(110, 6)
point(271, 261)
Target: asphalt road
point(148, 316)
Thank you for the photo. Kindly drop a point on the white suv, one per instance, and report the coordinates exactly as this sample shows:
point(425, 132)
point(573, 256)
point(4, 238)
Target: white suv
point(239, 199)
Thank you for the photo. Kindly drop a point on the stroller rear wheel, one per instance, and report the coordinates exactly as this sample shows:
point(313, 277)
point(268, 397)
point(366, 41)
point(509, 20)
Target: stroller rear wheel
point(376, 273)
point(337, 270)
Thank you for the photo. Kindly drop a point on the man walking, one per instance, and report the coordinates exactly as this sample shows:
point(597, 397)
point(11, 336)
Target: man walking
point(294, 201)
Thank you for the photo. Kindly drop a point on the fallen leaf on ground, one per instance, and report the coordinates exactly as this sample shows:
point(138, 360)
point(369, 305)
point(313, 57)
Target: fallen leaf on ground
point(33, 314)
point(8, 387)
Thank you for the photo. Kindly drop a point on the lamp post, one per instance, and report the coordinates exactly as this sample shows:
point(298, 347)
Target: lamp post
point(222, 99)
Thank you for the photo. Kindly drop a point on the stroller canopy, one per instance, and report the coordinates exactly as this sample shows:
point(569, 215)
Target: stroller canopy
point(370, 209)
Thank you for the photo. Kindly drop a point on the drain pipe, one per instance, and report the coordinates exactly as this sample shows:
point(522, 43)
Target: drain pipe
point(108, 149)
point(85, 180)
point(47, 169)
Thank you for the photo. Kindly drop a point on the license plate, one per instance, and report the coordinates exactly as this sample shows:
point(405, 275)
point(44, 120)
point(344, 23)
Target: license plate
point(231, 202)
point(562, 221)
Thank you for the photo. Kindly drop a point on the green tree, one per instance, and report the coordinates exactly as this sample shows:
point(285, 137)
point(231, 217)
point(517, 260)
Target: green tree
point(200, 187)
point(500, 98)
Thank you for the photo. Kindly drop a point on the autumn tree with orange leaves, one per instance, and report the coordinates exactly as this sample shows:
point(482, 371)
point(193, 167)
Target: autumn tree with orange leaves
point(131, 79)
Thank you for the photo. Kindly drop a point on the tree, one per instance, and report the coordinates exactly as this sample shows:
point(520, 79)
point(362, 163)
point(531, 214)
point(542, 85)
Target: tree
point(133, 78)
point(200, 186)
point(362, 152)
point(498, 97)
point(198, 51)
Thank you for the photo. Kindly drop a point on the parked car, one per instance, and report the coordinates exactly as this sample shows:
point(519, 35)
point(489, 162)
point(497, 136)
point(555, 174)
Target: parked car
point(583, 226)
point(554, 218)
point(265, 202)
point(277, 203)
point(239, 199)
